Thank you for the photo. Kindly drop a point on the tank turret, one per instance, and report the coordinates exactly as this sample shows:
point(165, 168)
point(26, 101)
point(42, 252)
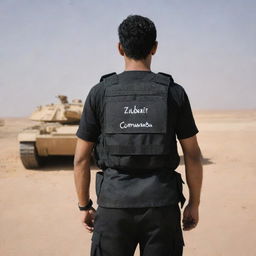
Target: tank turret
point(62, 112)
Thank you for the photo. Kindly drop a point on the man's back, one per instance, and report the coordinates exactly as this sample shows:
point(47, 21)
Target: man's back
point(132, 121)
point(140, 187)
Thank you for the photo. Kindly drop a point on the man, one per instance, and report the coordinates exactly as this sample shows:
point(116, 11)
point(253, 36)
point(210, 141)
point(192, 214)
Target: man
point(131, 120)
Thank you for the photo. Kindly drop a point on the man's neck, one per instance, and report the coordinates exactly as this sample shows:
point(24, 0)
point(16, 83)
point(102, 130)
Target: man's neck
point(139, 65)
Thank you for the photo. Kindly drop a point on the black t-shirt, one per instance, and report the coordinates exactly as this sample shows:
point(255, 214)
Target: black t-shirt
point(124, 190)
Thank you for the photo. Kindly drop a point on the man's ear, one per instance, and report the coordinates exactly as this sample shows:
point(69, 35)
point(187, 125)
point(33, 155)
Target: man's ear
point(154, 48)
point(120, 49)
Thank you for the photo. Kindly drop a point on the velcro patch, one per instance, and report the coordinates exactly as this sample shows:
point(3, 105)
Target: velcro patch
point(147, 116)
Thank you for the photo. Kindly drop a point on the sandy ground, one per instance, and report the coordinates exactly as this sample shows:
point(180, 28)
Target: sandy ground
point(38, 209)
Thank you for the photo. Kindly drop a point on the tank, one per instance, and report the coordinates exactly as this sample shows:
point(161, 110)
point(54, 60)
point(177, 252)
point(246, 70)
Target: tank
point(54, 133)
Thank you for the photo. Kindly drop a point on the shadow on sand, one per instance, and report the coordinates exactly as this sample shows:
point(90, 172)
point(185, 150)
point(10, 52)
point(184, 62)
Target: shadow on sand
point(205, 161)
point(59, 163)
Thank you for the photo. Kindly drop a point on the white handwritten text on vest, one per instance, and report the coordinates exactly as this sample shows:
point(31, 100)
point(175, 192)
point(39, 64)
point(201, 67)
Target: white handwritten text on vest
point(135, 110)
point(124, 125)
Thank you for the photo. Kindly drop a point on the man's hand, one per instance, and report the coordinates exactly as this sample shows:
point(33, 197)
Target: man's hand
point(190, 217)
point(87, 218)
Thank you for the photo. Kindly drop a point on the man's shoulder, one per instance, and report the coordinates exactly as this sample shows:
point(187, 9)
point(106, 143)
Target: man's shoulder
point(99, 87)
point(176, 91)
point(104, 78)
point(107, 76)
point(174, 85)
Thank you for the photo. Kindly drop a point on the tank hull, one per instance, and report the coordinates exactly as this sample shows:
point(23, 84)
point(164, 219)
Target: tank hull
point(60, 139)
point(50, 145)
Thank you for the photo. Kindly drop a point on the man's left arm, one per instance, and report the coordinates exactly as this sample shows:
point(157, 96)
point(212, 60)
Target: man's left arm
point(194, 176)
point(186, 131)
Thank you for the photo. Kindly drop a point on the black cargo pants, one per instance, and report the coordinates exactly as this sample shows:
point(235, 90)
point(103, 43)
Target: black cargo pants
point(157, 230)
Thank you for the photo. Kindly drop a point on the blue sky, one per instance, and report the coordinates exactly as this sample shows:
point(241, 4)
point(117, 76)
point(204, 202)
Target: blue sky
point(56, 47)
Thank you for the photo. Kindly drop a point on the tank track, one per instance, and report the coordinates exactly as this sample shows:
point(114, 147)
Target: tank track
point(29, 156)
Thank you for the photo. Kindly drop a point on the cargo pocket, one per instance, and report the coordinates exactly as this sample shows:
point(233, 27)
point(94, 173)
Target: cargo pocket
point(180, 183)
point(95, 246)
point(99, 180)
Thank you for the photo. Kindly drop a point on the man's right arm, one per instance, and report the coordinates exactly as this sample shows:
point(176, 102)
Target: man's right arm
point(87, 134)
point(194, 177)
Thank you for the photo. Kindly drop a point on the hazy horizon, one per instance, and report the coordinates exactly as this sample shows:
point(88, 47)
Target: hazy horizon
point(63, 47)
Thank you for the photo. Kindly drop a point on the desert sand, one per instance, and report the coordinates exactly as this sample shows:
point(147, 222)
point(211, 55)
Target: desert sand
point(38, 208)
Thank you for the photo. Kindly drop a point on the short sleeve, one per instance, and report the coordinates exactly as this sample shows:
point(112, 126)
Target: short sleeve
point(185, 126)
point(89, 129)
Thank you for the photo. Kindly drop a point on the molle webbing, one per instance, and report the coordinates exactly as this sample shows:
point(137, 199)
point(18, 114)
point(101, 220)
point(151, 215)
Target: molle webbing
point(136, 123)
point(135, 150)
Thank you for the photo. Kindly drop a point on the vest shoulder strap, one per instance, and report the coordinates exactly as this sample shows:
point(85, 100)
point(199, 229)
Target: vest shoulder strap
point(110, 78)
point(164, 78)
point(176, 91)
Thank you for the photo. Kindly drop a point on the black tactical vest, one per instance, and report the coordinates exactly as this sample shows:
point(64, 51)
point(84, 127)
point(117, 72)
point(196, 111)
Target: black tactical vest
point(136, 133)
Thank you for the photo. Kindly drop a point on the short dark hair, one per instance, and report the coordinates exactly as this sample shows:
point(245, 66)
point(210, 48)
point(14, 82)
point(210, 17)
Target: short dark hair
point(137, 35)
